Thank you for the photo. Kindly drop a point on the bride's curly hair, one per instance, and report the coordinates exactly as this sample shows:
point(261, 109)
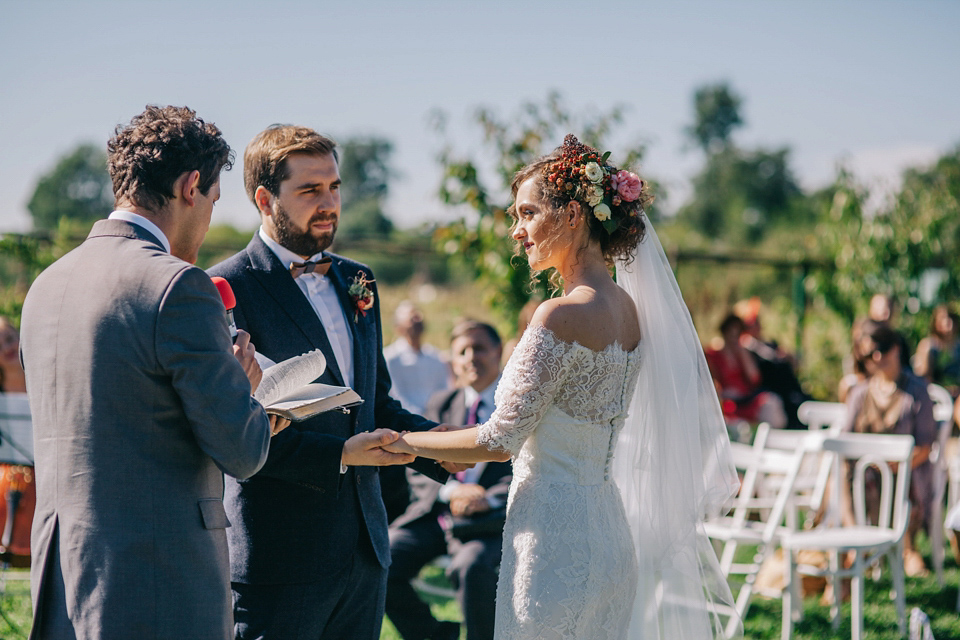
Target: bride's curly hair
point(563, 176)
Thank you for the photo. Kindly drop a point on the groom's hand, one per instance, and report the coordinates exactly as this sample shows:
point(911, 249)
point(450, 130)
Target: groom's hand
point(364, 450)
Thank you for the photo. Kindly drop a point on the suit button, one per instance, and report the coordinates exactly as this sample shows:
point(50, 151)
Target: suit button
point(358, 479)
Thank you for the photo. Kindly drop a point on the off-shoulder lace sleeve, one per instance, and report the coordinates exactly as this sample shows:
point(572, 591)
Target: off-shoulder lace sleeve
point(528, 386)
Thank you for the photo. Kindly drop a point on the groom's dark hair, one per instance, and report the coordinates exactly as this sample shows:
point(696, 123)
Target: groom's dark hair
point(265, 159)
point(145, 157)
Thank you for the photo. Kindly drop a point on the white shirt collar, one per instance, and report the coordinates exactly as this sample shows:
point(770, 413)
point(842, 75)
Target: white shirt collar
point(140, 221)
point(283, 254)
point(470, 395)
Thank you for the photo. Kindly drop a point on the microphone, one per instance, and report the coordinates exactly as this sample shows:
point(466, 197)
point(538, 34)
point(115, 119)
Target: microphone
point(229, 302)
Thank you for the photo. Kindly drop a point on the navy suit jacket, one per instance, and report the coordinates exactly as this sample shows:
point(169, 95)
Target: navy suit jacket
point(299, 519)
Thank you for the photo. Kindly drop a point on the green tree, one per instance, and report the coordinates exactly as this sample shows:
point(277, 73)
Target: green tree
point(716, 115)
point(479, 190)
point(907, 249)
point(740, 193)
point(366, 174)
point(77, 188)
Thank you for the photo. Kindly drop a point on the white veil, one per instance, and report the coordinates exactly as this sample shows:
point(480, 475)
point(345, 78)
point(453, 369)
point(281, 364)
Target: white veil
point(672, 464)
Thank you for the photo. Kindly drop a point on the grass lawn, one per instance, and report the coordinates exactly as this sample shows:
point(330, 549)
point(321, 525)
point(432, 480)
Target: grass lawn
point(763, 619)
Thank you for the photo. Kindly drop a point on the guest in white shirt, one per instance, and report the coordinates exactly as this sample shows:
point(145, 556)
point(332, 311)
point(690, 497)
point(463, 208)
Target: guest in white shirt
point(417, 370)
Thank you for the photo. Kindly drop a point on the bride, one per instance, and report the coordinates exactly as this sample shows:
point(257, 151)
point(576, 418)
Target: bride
point(609, 412)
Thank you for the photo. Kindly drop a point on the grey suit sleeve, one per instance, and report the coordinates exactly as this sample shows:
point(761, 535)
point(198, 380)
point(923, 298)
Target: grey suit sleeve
point(193, 347)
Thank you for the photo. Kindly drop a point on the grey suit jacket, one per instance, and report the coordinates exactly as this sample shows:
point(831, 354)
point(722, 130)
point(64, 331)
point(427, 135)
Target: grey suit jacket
point(138, 406)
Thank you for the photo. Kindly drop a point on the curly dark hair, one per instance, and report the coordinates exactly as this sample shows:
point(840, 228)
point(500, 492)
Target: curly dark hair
point(147, 156)
point(629, 229)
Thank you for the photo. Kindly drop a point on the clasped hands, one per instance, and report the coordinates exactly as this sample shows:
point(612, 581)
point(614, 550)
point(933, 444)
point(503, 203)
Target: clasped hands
point(384, 447)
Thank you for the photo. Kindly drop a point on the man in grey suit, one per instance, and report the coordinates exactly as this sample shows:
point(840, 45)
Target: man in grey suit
point(139, 403)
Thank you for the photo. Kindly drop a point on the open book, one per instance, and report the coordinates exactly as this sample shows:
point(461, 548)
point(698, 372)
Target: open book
point(286, 389)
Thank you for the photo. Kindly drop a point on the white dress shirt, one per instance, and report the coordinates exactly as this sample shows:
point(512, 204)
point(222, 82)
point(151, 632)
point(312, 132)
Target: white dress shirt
point(325, 302)
point(140, 221)
point(416, 375)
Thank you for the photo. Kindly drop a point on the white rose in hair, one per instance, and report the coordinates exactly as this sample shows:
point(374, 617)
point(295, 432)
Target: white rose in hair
point(593, 172)
point(594, 195)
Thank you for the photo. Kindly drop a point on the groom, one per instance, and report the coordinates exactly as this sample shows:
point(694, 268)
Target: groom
point(308, 546)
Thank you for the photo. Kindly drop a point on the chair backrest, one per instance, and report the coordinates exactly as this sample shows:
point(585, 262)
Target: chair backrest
point(758, 464)
point(16, 429)
point(942, 403)
point(822, 415)
point(815, 468)
point(880, 451)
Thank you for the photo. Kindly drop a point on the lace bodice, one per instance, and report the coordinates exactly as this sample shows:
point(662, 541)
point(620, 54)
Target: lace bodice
point(569, 569)
point(580, 393)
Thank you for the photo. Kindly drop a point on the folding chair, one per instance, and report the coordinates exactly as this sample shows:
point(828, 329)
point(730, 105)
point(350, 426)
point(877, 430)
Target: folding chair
point(759, 465)
point(868, 542)
point(943, 414)
point(822, 415)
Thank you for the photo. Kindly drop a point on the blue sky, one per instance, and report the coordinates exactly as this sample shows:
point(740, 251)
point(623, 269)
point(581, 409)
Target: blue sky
point(873, 84)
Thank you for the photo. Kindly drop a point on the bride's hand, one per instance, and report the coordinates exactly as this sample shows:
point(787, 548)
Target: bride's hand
point(398, 446)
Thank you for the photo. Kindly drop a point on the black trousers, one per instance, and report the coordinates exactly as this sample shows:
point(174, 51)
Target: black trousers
point(473, 572)
point(346, 605)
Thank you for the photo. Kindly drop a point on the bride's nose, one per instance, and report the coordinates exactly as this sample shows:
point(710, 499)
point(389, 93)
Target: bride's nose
point(518, 232)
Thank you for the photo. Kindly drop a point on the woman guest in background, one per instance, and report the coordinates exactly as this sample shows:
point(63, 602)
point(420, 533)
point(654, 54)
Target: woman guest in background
point(938, 355)
point(893, 400)
point(18, 490)
point(609, 413)
point(738, 379)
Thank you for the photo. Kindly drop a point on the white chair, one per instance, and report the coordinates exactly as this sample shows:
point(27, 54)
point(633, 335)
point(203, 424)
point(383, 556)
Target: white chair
point(811, 483)
point(759, 465)
point(943, 414)
point(822, 415)
point(868, 542)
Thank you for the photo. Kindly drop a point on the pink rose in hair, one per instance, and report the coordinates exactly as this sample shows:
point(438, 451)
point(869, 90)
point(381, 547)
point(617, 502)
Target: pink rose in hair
point(627, 184)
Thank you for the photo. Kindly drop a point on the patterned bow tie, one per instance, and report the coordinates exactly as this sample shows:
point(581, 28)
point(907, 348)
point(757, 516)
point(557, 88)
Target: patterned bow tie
point(320, 267)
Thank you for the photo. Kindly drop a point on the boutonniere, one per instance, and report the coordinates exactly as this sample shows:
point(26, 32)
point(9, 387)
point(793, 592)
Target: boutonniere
point(361, 294)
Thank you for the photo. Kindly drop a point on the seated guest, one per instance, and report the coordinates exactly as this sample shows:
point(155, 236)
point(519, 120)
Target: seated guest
point(18, 488)
point(776, 366)
point(463, 518)
point(938, 355)
point(882, 310)
point(416, 369)
point(894, 400)
point(738, 380)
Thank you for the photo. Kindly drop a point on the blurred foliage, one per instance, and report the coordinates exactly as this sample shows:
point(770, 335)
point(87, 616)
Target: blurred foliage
point(221, 242)
point(478, 187)
point(740, 194)
point(906, 249)
point(365, 172)
point(78, 187)
point(716, 115)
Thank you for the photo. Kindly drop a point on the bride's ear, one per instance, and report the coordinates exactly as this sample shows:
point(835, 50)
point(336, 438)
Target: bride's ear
point(574, 214)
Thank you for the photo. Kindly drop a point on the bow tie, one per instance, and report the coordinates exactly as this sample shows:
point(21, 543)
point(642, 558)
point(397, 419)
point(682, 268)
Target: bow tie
point(320, 267)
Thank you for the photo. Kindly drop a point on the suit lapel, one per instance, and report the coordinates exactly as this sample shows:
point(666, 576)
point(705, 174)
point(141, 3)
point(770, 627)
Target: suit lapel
point(279, 285)
point(458, 408)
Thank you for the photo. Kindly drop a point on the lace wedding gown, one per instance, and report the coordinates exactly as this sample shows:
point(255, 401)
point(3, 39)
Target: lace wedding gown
point(569, 568)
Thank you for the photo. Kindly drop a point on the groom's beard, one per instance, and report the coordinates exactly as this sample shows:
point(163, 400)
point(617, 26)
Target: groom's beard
point(302, 241)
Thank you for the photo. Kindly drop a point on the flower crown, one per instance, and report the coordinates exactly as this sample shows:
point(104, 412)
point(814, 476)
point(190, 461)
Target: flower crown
point(583, 174)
